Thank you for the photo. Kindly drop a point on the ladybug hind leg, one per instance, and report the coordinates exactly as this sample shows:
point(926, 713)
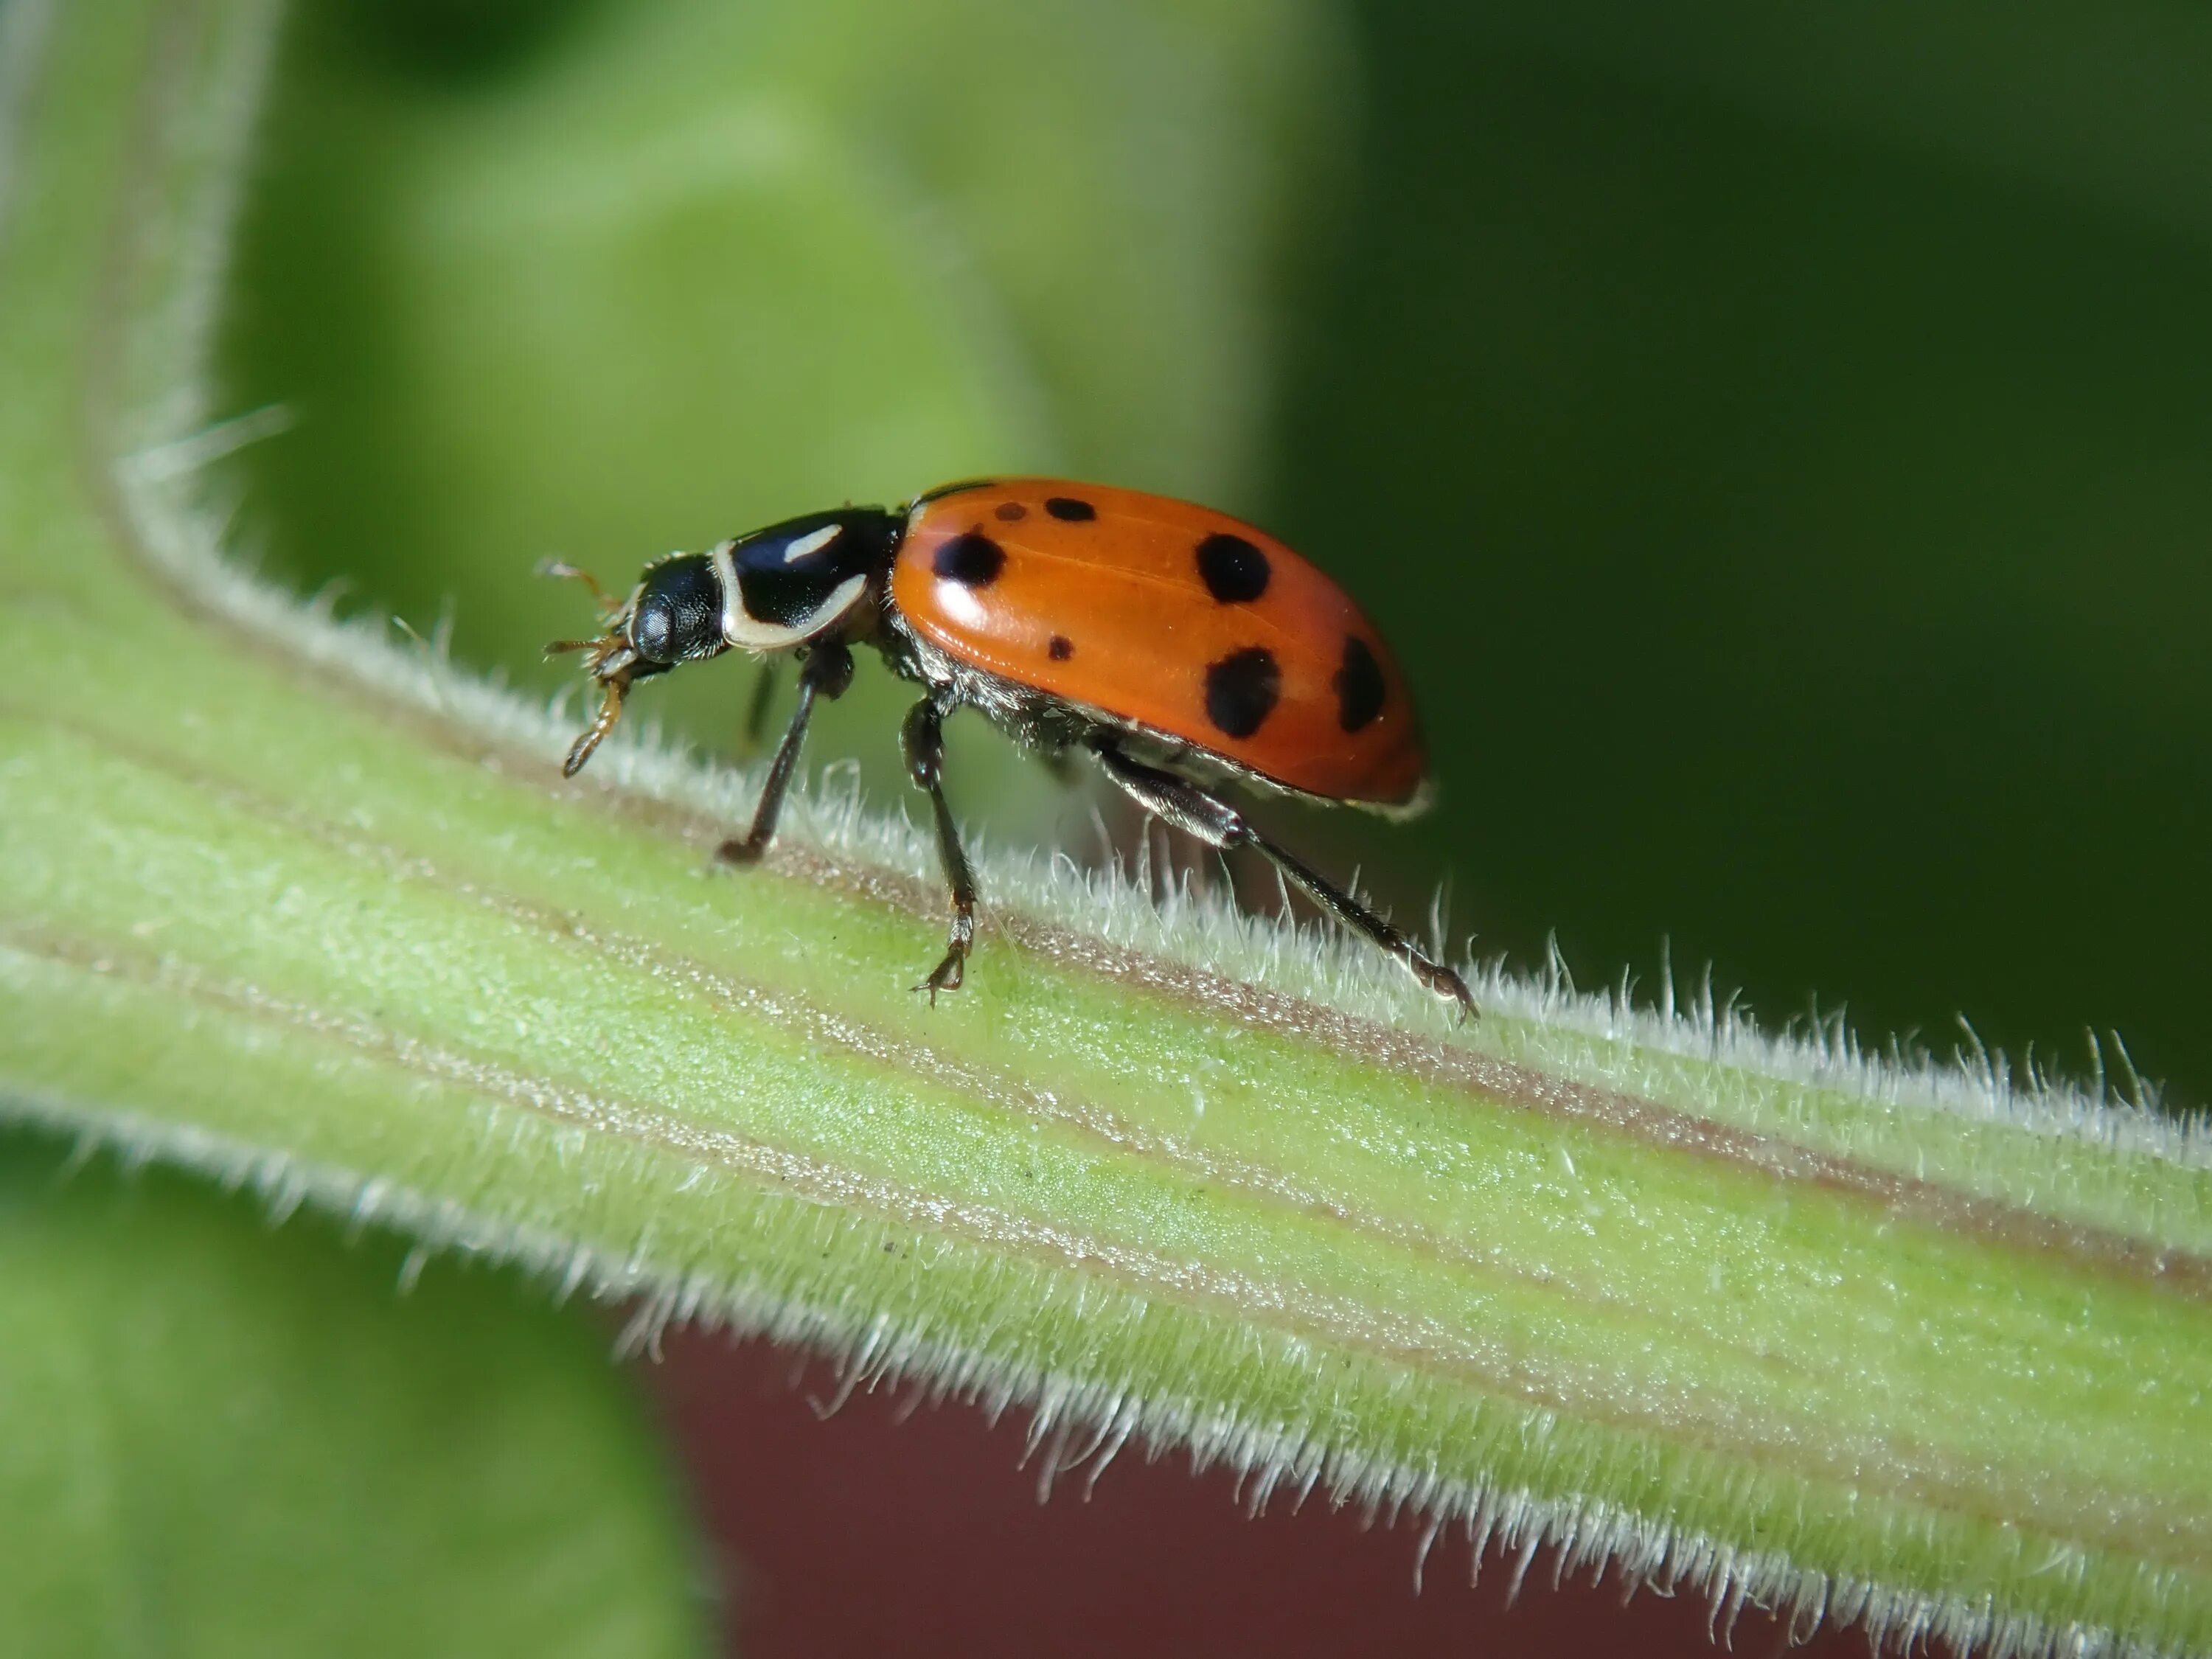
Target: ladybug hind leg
point(923, 739)
point(1178, 801)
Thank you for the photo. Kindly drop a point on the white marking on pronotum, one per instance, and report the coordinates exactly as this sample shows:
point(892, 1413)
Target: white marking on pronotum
point(726, 572)
point(743, 629)
point(813, 542)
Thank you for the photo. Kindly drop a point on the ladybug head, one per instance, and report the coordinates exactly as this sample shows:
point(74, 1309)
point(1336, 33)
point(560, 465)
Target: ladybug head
point(774, 589)
point(674, 614)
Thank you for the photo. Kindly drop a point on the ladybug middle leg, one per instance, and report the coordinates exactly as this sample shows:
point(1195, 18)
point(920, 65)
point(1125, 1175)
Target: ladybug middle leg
point(828, 671)
point(1178, 801)
point(923, 739)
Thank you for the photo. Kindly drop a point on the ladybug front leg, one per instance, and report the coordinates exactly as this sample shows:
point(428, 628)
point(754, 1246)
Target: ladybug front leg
point(1178, 801)
point(755, 727)
point(923, 739)
point(828, 671)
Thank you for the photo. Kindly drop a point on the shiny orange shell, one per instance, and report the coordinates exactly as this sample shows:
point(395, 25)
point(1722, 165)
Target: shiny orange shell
point(1172, 617)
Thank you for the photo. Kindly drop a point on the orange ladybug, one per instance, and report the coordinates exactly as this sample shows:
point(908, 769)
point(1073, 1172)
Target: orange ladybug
point(1174, 644)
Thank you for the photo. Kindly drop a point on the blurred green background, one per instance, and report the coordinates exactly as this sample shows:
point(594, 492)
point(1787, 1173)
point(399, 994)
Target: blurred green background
point(218, 1447)
point(1777, 446)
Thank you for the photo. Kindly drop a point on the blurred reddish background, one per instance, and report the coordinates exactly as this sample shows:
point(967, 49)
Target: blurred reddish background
point(881, 1529)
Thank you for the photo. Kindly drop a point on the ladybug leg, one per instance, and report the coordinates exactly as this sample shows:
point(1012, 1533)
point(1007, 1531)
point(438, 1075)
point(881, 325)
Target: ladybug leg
point(828, 671)
point(1178, 801)
point(923, 739)
point(756, 711)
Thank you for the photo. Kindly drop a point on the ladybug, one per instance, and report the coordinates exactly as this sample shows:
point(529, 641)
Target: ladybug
point(1178, 648)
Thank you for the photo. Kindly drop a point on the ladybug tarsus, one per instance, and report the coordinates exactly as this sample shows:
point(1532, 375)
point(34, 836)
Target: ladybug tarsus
point(1167, 640)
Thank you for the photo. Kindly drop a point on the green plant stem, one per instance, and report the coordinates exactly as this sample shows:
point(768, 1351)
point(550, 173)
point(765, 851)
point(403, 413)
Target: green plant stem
point(279, 903)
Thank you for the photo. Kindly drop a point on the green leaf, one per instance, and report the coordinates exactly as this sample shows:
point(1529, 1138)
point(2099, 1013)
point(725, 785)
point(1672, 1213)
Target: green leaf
point(226, 1440)
point(282, 902)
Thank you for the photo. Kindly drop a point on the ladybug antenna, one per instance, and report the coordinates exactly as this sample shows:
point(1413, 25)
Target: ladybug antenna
point(562, 570)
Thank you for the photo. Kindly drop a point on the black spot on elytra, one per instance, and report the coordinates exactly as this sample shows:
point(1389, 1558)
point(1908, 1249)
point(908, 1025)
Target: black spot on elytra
point(1010, 512)
point(1236, 571)
point(1242, 690)
point(1358, 685)
point(973, 560)
point(1061, 648)
point(1069, 510)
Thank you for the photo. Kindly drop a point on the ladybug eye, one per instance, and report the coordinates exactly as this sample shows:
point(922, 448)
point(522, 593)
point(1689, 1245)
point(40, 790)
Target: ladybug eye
point(678, 615)
point(651, 629)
